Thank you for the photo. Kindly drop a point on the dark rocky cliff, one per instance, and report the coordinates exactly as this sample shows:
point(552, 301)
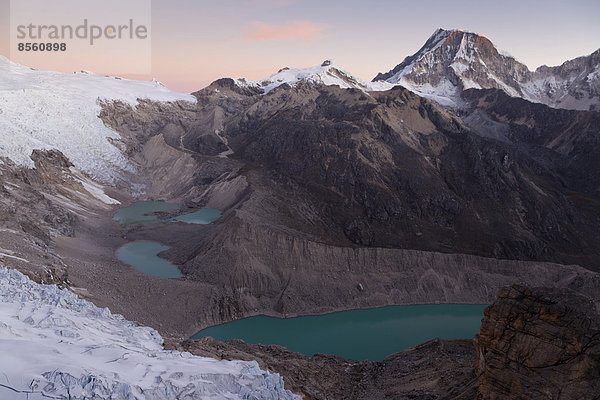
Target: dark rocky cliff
point(539, 344)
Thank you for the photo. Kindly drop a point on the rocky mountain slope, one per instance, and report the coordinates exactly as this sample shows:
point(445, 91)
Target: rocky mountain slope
point(452, 61)
point(571, 136)
point(55, 345)
point(437, 369)
point(391, 169)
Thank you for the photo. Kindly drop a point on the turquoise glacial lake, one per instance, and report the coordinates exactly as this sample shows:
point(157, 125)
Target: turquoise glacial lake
point(370, 334)
point(142, 212)
point(203, 216)
point(143, 256)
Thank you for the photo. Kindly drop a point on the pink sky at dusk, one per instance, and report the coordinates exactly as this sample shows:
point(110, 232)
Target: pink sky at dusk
point(196, 42)
point(287, 31)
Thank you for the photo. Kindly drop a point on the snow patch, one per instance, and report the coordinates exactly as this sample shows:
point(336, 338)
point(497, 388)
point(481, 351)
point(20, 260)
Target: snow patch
point(505, 53)
point(13, 257)
point(98, 193)
point(444, 93)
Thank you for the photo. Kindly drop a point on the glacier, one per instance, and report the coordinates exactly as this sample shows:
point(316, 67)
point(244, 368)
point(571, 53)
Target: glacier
point(53, 110)
point(58, 346)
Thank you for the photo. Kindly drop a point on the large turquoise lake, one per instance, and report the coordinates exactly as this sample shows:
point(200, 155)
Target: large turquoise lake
point(370, 334)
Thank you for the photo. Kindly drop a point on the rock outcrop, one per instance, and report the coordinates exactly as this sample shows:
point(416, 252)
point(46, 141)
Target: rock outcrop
point(539, 344)
point(433, 370)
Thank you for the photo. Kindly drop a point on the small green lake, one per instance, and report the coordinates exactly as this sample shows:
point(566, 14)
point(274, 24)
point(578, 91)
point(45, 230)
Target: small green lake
point(143, 256)
point(370, 334)
point(203, 216)
point(143, 212)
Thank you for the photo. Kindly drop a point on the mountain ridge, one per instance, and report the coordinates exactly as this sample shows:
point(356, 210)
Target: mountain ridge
point(327, 73)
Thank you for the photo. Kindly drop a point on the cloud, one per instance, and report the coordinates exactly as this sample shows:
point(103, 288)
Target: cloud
point(287, 31)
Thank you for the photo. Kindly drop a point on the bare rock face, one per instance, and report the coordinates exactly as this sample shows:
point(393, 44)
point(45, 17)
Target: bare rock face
point(437, 369)
point(569, 134)
point(539, 344)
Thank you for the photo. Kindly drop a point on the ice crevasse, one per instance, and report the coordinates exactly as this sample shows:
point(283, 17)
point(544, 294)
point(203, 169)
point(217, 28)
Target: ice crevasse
point(56, 345)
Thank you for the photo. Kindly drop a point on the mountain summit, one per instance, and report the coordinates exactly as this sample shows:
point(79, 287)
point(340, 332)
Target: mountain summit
point(458, 59)
point(327, 73)
point(452, 61)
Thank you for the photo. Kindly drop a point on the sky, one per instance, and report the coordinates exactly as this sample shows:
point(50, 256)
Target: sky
point(194, 42)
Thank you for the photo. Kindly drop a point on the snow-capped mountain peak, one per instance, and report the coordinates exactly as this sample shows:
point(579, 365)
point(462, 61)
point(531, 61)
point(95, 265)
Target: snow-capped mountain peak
point(454, 60)
point(326, 73)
